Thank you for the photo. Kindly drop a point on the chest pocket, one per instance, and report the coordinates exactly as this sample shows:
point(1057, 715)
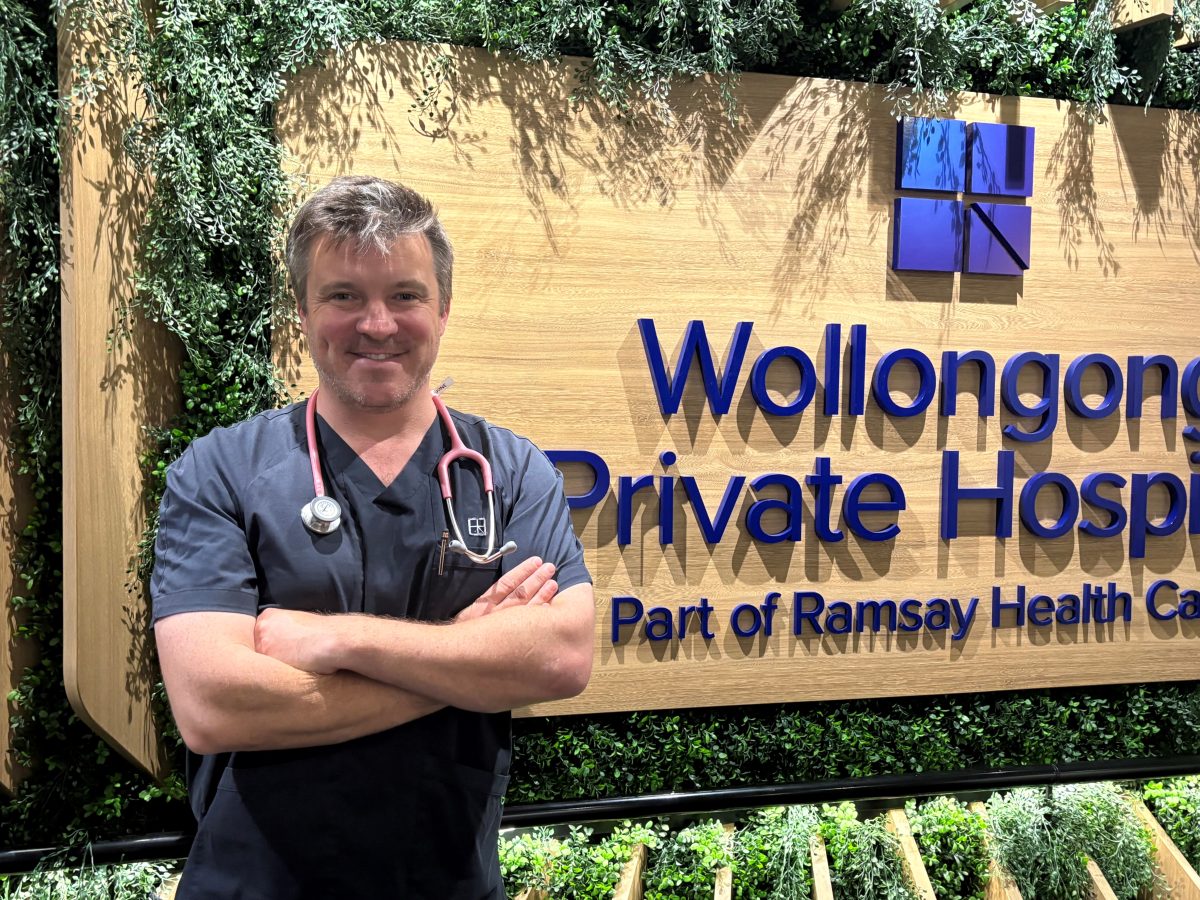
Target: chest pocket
point(454, 581)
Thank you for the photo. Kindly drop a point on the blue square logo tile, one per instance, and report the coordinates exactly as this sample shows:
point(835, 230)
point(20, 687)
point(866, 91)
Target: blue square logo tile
point(931, 154)
point(927, 235)
point(1001, 160)
point(948, 156)
point(998, 238)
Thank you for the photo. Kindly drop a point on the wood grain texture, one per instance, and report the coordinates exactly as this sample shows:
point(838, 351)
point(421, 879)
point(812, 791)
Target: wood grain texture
point(109, 397)
point(910, 854)
point(1000, 884)
point(822, 884)
point(1100, 887)
point(570, 223)
point(15, 653)
point(723, 880)
point(1128, 14)
point(630, 885)
point(1180, 877)
point(723, 884)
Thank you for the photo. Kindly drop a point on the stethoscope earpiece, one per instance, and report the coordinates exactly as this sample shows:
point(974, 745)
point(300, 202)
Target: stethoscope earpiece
point(321, 515)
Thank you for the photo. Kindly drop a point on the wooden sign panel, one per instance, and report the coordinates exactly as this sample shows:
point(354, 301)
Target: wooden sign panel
point(576, 226)
point(112, 390)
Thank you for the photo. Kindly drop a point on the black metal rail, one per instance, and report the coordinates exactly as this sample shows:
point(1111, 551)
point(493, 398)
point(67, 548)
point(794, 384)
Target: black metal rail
point(175, 845)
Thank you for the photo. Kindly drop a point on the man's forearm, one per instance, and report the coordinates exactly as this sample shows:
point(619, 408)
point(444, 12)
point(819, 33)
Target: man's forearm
point(512, 658)
point(248, 701)
point(288, 708)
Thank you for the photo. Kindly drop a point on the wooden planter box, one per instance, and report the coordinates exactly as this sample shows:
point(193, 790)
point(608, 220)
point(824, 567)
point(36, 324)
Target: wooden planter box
point(629, 886)
point(1180, 879)
point(1177, 872)
point(822, 885)
point(897, 823)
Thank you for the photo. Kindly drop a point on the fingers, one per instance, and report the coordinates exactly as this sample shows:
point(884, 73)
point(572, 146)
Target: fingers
point(510, 581)
point(545, 593)
point(539, 587)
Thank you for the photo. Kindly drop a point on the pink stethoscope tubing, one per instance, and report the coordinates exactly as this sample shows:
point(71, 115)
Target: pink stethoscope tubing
point(322, 515)
point(459, 450)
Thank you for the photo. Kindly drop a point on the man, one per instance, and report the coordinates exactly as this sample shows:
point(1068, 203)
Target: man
point(344, 695)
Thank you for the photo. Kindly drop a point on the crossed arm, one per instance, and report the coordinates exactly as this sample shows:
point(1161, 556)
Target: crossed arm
point(295, 679)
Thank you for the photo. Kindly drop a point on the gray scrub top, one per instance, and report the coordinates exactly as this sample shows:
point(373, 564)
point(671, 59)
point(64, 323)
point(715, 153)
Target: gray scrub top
point(293, 823)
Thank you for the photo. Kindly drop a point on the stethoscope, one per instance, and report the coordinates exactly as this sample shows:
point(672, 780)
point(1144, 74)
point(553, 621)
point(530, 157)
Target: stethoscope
point(323, 514)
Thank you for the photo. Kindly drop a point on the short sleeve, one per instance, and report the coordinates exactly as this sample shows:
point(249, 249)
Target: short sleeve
point(540, 521)
point(202, 560)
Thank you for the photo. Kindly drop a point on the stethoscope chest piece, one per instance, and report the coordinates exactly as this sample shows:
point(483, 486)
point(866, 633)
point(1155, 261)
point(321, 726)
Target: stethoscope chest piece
point(321, 515)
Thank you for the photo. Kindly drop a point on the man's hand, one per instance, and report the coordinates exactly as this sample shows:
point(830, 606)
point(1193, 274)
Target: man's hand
point(303, 640)
point(308, 641)
point(529, 584)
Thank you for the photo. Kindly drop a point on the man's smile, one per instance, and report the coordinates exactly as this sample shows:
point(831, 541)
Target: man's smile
point(378, 357)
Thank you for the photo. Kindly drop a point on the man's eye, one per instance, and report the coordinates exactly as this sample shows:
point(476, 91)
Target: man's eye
point(407, 296)
point(341, 297)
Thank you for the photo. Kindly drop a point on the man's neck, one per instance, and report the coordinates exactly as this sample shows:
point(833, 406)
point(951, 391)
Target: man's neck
point(384, 439)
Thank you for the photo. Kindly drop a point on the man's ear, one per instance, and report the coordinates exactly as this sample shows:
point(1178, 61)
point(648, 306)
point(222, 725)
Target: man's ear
point(444, 315)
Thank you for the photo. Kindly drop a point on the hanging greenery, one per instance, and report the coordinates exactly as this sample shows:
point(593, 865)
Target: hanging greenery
point(953, 843)
point(210, 72)
point(864, 857)
point(1044, 838)
point(78, 784)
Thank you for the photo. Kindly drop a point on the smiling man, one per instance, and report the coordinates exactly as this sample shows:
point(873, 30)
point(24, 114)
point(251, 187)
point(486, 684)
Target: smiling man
point(343, 685)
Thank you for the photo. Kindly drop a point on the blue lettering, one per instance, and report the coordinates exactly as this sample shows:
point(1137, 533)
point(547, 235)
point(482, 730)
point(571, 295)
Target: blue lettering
point(1091, 496)
point(711, 530)
point(1046, 407)
point(735, 620)
point(953, 494)
point(793, 507)
point(619, 620)
point(1041, 610)
point(937, 615)
point(600, 476)
point(910, 615)
point(853, 506)
point(718, 387)
point(926, 382)
point(951, 363)
point(1069, 610)
point(660, 624)
point(1169, 374)
point(875, 609)
point(840, 618)
point(1113, 380)
point(1152, 600)
point(1017, 606)
point(1070, 504)
point(627, 486)
point(824, 481)
point(800, 615)
point(808, 381)
point(1140, 525)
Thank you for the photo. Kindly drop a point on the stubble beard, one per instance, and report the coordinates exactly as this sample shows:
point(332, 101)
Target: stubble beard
point(359, 399)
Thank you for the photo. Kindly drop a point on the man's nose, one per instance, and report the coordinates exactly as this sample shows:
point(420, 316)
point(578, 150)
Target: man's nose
point(377, 320)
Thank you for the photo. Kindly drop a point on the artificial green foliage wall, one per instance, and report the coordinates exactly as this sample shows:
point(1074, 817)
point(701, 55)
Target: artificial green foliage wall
point(634, 753)
point(78, 784)
point(210, 72)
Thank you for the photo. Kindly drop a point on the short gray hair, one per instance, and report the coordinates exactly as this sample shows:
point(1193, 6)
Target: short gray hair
point(369, 212)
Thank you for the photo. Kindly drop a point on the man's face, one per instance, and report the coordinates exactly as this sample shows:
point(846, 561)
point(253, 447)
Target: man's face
point(373, 321)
